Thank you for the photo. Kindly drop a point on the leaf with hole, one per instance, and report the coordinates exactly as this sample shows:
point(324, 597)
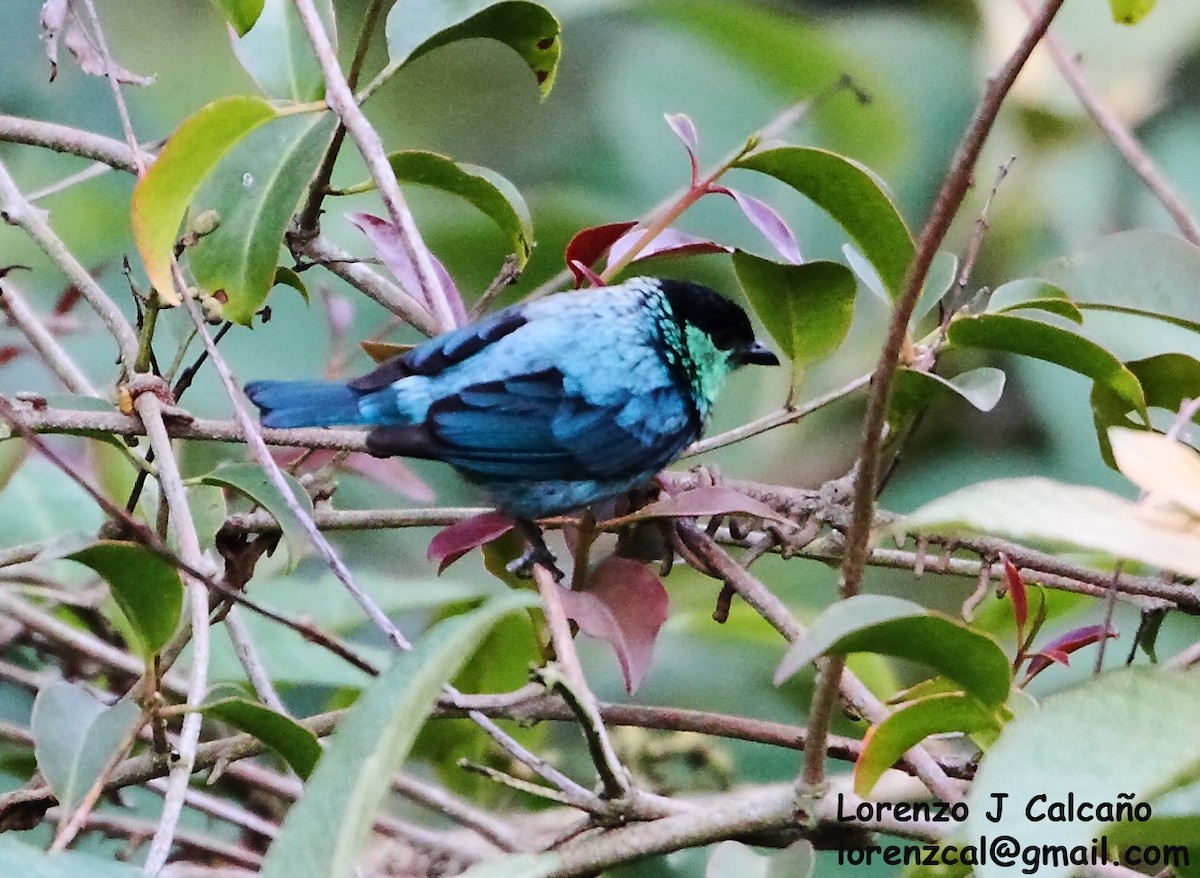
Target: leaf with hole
point(146, 588)
point(255, 189)
point(75, 736)
point(903, 629)
point(415, 27)
point(325, 830)
point(806, 308)
point(162, 197)
point(250, 481)
point(852, 195)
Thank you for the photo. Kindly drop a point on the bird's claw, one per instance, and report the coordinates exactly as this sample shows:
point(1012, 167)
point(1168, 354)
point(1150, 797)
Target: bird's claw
point(522, 567)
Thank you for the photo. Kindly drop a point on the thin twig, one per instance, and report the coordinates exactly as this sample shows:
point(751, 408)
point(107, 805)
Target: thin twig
point(73, 141)
point(1119, 134)
point(13, 304)
point(341, 100)
point(949, 199)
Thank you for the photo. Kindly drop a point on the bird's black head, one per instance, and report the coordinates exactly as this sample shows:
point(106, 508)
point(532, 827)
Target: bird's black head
point(720, 319)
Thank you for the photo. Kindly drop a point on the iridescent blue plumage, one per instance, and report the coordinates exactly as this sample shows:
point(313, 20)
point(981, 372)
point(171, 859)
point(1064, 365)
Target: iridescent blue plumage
point(548, 405)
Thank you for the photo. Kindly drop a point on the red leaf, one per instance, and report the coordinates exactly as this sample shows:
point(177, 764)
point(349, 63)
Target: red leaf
point(624, 605)
point(668, 241)
point(8, 353)
point(389, 246)
point(685, 130)
point(707, 501)
point(1020, 598)
point(1060, 647)
point(768, 221)
point(452, 542)
point(589, 245)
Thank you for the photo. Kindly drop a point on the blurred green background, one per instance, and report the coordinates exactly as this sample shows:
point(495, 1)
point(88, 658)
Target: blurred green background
point(597, 150)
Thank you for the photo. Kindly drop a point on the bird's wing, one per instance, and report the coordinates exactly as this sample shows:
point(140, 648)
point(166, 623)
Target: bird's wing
point(446, 350)
point(533, 427)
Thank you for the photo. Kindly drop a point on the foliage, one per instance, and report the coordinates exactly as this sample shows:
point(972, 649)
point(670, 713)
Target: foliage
point(135, 573)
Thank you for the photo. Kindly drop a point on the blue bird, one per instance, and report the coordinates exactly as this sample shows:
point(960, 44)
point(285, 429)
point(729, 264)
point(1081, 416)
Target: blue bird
point(548, 405)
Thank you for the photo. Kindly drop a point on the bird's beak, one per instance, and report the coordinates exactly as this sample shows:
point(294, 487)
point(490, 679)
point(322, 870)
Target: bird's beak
point(759, 355)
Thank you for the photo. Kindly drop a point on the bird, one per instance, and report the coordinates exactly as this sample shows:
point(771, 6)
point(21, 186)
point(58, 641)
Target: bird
point(548, 405)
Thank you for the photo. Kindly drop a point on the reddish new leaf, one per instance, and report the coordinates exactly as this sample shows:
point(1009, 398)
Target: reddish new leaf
point(589, 245)
point(625, 605)
point(451, 543)
point(67, 301)
point(1061, 647)
point(1016, 591)
point(389, 246)
point(685, 130)
point(768, 221)
point(668, 241)
point(699, 502)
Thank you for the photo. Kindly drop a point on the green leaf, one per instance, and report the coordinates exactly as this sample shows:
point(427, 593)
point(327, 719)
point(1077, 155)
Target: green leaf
point(18, 858)
point(1147, 270)
point(415, 27)
point(912, 724)
point(249, 480)
point(852, 195)
point(161, 198)
point(1034, 293)
point(896, 627)
point(146, 588)
point(914, 390)
point(75, 736)
point(734, 858)
point(209, 510)
point(1130, 11)
point(325, 830)
point(241, 14)
point(1166, 379)
point(496, 197)
point(285, 276)
point(1050, 342)
point(255, 189)
point(278, 55)
point(806, 308)
point(515, 866)
point(942, 274)
point(1091, 744)
point(297, 745)
point(1044, 512)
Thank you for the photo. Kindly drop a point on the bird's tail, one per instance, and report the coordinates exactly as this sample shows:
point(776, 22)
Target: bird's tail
point(305, 403)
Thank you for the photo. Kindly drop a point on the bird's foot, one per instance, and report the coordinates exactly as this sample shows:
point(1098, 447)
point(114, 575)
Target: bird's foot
point(522, 567)
point(537, 553)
